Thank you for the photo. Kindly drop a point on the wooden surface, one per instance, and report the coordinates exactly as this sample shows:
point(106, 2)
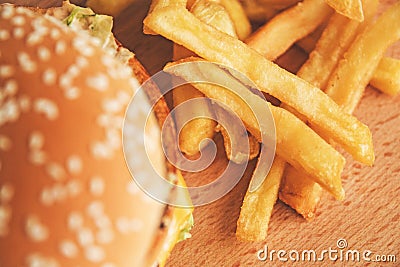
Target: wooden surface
point(369, 218)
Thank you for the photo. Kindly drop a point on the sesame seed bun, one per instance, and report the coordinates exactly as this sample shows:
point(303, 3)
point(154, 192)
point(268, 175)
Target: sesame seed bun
point(67, 197)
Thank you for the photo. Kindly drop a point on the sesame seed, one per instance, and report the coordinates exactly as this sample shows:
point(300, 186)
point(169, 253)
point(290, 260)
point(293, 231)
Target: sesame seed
point(47, 107)
point(75, 221)
point(43, 53)
point(74, 164)
point(102, 221)
point(4, 35)
point(49, 77)
point(65, 80)
point(18, 33)
point(61, 47)
point(132, 188)
point(35, 230)
point(105, 236)
point(11, 87)
point(9, 112)
point(113, 138)
point(46, 197)
point(6, 192)
point(36, 140)
point(112, 106)
point(101, 151)
point(74, 187)
point(125, 225)
point(7, 12)
point(26, 63)
point(96, 186)
point(104, 120)
point(95, 209)
point(55, 34)
point(73, 70)
point(94, 254)
point(5, 143)
point(99, 82)
point(5, 214)
point(123, 97)
point(18, 20)
point(24, 103)
point(36, 260)
point(37, 157)
point(34, 38)
point(55, 171)
point(72, 93)
point(85, 237)
point(6, 71)
point(59, 192)
point(82, 46)
point(68, 249)
point(81, 62)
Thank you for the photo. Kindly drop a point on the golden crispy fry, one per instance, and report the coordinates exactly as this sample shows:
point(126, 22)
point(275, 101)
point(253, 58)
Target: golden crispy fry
point(256, 210)
point(215, 15)
point(335, 40)
point(278, 4)
point(199, 129)
point(258, 12)
point(296, 142)
point(275, 37)
point(300, 192)
point(308, 43)
point(238, 17)
point(159, 4)
point(183, 28)
point(387, 76)
point(239, 154)
point(195, 131)
point(352, 9)
point(346, 85)
point(303, 194)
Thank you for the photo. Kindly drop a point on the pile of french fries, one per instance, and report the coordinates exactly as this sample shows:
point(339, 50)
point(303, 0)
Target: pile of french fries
point(311, 109)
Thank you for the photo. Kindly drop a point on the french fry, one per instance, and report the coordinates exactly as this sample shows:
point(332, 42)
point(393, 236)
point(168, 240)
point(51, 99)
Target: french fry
point(238, 16)
point(296, 142)
point(349, 8)
point(257, 206)
point(194, 131)
point(278, 4)
point(335, 40)
point(275, 37)
point(258, 12)
point(297, 190)
point(213, 45)
point(347, 83)
point(215, 15)
point(309, 42)
point(236, 151)
point(386, 78)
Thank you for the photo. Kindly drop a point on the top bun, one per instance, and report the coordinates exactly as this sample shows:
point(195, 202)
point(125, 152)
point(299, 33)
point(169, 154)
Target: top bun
point(67, 197)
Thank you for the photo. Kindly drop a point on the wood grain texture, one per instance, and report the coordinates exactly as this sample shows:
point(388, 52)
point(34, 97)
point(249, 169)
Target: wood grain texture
point(369, 218)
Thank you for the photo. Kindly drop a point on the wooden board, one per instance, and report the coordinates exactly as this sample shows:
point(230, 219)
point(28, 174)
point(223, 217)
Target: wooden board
point(368, 219)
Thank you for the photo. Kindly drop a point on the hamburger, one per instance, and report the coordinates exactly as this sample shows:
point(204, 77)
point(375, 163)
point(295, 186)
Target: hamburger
point(67, 197)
